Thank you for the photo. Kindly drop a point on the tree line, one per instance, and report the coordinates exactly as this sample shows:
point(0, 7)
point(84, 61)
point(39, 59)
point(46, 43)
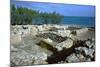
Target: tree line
point(25, 16)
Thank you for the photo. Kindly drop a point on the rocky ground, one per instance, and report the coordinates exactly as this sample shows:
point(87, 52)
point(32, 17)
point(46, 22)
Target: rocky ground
point(49, 44)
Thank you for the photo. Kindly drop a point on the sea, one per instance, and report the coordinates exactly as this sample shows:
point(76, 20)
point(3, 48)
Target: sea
point(82, 21)
point(75, 20)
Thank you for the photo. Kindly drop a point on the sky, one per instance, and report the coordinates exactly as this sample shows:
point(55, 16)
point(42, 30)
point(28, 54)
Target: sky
point(63, 9)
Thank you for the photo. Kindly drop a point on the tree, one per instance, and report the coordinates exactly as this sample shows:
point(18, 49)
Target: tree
point(24, 16)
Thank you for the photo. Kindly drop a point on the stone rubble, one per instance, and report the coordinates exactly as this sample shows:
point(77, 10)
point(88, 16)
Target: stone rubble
point(88, 50)
point(25, 51)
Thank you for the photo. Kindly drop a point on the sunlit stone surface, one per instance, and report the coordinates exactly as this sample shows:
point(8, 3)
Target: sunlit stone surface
point(39, 44)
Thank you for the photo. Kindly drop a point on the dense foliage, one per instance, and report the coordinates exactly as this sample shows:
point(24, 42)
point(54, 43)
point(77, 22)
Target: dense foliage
point(20, 15)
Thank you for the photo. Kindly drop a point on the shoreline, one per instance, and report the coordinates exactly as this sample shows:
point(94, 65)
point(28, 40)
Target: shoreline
point(71, 25)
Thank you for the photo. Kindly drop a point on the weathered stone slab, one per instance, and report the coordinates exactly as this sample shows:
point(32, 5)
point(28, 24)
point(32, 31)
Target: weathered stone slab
point(65, 44)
